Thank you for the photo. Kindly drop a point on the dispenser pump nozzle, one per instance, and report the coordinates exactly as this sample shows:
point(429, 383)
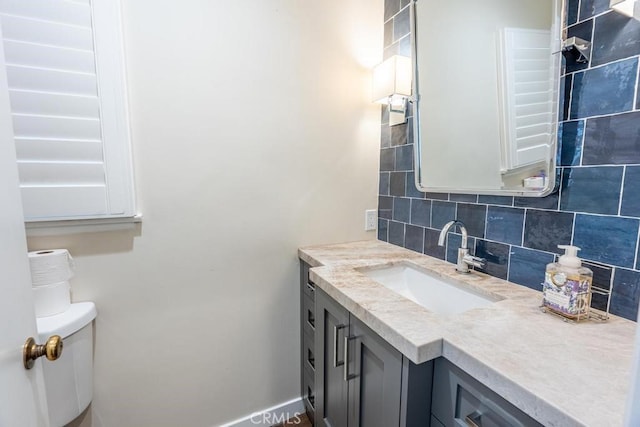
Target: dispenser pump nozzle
point(570, 257)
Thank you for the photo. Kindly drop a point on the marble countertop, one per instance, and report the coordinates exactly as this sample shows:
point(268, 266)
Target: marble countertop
point(561, 374)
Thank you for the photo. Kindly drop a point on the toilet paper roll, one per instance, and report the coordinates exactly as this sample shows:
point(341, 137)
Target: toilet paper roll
point(50, 266)
point(53, 299)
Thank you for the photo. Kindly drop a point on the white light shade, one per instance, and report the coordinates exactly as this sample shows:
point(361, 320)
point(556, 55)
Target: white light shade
point(392, 77)
point(626, 7)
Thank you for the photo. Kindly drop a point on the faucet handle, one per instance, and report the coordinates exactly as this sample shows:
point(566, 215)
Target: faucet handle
point(475, 261)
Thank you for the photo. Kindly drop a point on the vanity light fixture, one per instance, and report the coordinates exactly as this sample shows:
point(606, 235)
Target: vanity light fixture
point(392, 86)
point(630, 8)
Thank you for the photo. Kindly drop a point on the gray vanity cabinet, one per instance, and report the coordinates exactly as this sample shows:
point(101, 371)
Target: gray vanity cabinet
point(332, 391)
point(351, 377)
point(361, 380)
point(307, 339)
point(358, 374)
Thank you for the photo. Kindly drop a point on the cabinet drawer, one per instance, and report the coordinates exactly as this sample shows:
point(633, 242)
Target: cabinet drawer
point(459, 400)
point(308, 354)
point(309, 394)
point(308, 288)
point(308, 315)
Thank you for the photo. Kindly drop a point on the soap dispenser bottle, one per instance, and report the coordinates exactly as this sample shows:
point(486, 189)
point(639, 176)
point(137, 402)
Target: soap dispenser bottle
point(567, 286)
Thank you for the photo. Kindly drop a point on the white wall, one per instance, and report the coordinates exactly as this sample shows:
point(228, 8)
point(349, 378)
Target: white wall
point(253, 134)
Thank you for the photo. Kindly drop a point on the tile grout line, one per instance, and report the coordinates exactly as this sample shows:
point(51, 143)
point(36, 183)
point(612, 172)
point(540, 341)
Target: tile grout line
point(624, 174)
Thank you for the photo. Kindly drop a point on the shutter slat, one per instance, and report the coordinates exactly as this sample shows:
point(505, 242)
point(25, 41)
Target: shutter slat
point(51, 81)
point(528, 131)
point(523, 121)
point(528, 76)
point(41, 56)
point(532, 64)
point(530, 53)
point(55, 127)
point(533, 154)
point(64, 202)
point(49, 33)
point(529, 87)
point(532, 98)
point(58, 150)
point(527, 110)
point(42, 103)
point(61, 174)
point(63, 12)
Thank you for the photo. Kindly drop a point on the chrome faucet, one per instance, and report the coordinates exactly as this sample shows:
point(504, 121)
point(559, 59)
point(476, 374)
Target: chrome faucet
point(464, 258)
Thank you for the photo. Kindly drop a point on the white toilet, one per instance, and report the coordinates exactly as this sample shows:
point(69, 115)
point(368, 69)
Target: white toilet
point(69, 380)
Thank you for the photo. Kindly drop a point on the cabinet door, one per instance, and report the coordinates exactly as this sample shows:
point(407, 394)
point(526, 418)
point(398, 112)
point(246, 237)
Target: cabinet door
point(375, 384)
point(332, 325)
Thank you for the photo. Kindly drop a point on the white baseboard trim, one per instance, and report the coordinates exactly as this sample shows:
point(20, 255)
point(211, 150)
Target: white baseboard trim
point(270, 416)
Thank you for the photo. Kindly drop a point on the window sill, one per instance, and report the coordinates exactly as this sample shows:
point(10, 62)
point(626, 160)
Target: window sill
point(75, 226)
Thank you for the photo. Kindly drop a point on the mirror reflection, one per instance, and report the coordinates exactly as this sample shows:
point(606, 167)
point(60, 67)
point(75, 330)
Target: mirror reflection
point(486, 79)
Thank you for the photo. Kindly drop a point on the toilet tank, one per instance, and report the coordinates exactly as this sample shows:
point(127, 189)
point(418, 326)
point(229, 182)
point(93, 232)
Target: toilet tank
point(69, 380)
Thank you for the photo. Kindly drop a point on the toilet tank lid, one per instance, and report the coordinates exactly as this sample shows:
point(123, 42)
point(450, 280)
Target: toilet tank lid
point(68, 322)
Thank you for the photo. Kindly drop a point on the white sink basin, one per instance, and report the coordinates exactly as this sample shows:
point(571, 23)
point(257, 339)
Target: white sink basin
point(436, 294)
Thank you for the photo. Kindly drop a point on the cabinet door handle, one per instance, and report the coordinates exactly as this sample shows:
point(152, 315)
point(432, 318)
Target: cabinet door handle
point(347, 376)
point(336, 329)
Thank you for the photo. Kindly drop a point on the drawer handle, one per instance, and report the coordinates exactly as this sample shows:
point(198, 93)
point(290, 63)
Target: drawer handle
point(311, 287)
point(473, 419)
point(311, 320)
point(311, 398)
point(311, 360)
point(336, 329)
point(347, 376)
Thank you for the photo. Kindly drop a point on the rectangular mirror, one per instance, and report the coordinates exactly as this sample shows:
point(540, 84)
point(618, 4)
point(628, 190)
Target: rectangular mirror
point(486, 95)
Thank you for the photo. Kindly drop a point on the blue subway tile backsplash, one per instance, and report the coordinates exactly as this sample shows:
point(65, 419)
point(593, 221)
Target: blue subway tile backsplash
point(441, 213)
point(594, 190)
point(626, 286)
point(396, 233)
point(414, 238)
point(505, 224)
point(474, 217)
point(616, 37)
point(527, 266)
point(631, 197)
point(421, 212)
point(572, 9)
point(404, 157)
point(398, 183)
point(607, 239)
point(401, 209)
point(597, 202)
point(612, 140)
point(571, 134)
point(545, 230)
point(431, 246)
point(589, 8)
point(604, 90)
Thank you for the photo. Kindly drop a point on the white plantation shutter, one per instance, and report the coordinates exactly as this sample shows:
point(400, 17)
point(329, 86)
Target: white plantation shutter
point(64, 65)
point(527, 96)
